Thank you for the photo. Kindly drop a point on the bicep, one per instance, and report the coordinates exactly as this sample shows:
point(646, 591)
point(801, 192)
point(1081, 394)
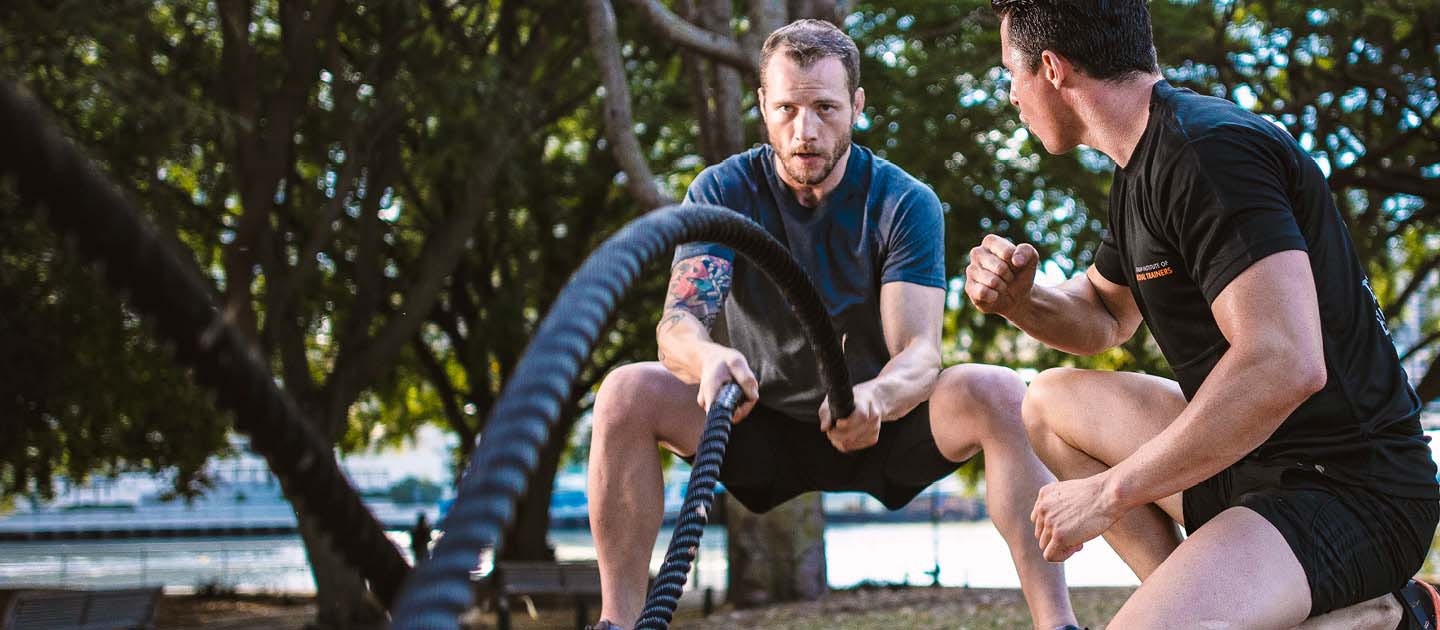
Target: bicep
point(1115, 298)
point(1273, 301)
point(911, 313)
point(699, 285)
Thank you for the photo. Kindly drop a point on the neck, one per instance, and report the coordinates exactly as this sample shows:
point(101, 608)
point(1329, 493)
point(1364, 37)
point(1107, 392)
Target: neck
point(810, 196)
point(1116, 116)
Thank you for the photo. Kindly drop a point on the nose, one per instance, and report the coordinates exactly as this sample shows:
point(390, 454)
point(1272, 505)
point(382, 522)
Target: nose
point(807, 126)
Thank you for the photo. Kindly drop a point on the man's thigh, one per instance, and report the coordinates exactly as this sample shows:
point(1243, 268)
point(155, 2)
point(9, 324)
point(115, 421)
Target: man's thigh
point(1107, 415)
point(1236, 572)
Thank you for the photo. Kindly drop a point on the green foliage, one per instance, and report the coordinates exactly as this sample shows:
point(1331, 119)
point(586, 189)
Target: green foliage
point(412, 490)
point(84, 389)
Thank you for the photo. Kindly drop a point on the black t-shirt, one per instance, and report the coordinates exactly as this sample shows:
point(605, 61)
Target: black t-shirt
point(879, 225)
point(1212, 189)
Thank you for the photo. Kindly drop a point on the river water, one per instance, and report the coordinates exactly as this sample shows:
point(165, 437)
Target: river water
point(969, 553)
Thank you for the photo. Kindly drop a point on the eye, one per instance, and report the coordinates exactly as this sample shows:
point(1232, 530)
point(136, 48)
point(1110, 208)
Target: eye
point(1004, 82)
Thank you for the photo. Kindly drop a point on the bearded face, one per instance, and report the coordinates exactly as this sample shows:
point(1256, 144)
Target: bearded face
point(809, 113)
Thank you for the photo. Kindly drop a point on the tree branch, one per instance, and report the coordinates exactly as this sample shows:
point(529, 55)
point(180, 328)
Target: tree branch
point(446, 389)
point(709, 43)
point(1416, 279)
point(1388, 181)
point(619, 121)
point(1421, 345)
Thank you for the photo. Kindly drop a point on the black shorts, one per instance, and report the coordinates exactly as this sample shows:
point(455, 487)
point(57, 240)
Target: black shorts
point(773, 458)
point(1354, 543)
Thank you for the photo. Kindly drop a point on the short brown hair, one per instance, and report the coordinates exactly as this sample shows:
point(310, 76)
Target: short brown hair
point(809, 41)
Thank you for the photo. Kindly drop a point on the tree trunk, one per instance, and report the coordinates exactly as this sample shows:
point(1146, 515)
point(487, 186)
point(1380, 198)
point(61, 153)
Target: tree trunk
point(342, 600)
point(778, 556)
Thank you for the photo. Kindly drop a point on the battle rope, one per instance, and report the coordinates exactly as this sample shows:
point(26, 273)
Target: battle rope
point(695, 512)
point(438, 591)
point(166, 286)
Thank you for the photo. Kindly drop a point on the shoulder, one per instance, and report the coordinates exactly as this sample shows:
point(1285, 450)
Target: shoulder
point(729, 179)
point(896, 186)
point(745, 166)
point(1201, 126)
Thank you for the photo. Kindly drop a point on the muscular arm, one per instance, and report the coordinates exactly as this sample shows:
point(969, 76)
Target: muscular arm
point(1084, 315)
point(911, 316)
point(693, 302)
point(1271, 317)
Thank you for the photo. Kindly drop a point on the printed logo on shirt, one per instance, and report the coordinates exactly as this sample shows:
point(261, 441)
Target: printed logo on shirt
point(1379, 314)
point(1153, 270)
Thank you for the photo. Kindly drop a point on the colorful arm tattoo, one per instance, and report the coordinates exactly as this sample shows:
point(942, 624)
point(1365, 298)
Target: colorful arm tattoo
point(698, 286)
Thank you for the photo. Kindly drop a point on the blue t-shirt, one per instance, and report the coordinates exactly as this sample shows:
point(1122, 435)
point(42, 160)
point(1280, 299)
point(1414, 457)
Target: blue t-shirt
point(879, 225)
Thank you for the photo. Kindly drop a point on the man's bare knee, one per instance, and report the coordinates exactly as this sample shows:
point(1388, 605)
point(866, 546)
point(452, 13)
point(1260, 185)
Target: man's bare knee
point(1044, 401)
point(982, 402)
point(620, 403)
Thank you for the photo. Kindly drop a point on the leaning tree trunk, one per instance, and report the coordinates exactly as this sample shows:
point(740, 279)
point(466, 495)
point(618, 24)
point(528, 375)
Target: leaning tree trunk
point(343, 601)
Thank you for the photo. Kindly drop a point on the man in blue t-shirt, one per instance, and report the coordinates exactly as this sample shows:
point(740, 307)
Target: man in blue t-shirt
point(870, 237)
point(1288, 444)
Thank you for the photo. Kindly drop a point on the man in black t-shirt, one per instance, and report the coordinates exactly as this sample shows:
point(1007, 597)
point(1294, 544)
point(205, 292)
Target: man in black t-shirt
point(1288, 445)
point(870, 236)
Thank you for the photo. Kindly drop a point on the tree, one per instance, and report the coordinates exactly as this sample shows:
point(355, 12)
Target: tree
point(357, 153)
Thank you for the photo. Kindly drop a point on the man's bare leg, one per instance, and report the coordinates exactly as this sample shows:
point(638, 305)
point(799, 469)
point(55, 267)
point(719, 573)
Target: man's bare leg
point(638, 406)
point(977, 407)
point(1081, 422)
point(1203, 585)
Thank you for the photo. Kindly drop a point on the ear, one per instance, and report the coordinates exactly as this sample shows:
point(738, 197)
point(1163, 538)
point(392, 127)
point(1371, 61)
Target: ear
point(1054, 69)
point(760, 94)
point(857, 105)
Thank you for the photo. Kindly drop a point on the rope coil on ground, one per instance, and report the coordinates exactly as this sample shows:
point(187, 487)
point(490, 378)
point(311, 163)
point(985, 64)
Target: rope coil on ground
point(438, 591)
point(694, 514)
point(166, 286)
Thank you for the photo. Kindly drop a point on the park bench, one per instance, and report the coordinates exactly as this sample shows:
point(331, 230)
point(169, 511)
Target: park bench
point(575, 581)
point(112, 609)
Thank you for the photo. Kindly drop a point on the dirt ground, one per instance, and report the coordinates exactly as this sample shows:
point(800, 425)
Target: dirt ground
point(876, 607)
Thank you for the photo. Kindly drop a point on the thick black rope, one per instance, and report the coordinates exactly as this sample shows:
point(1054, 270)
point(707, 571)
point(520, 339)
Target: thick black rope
point(166, 286)
point(438, 591)
point(699, 497)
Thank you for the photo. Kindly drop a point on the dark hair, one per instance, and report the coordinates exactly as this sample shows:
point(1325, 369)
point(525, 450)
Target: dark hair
point(1105, 39)
point(809, 41)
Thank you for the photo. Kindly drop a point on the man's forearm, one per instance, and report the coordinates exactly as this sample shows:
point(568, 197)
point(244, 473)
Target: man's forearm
point(1228, 418)
point(1069, 317)
point(907, 380)
point(682, 341)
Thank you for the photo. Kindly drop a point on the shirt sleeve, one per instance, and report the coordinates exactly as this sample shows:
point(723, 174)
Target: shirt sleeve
point(916, 252)
point(1229, 206)
point(1108, 263)
point(707, 188)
